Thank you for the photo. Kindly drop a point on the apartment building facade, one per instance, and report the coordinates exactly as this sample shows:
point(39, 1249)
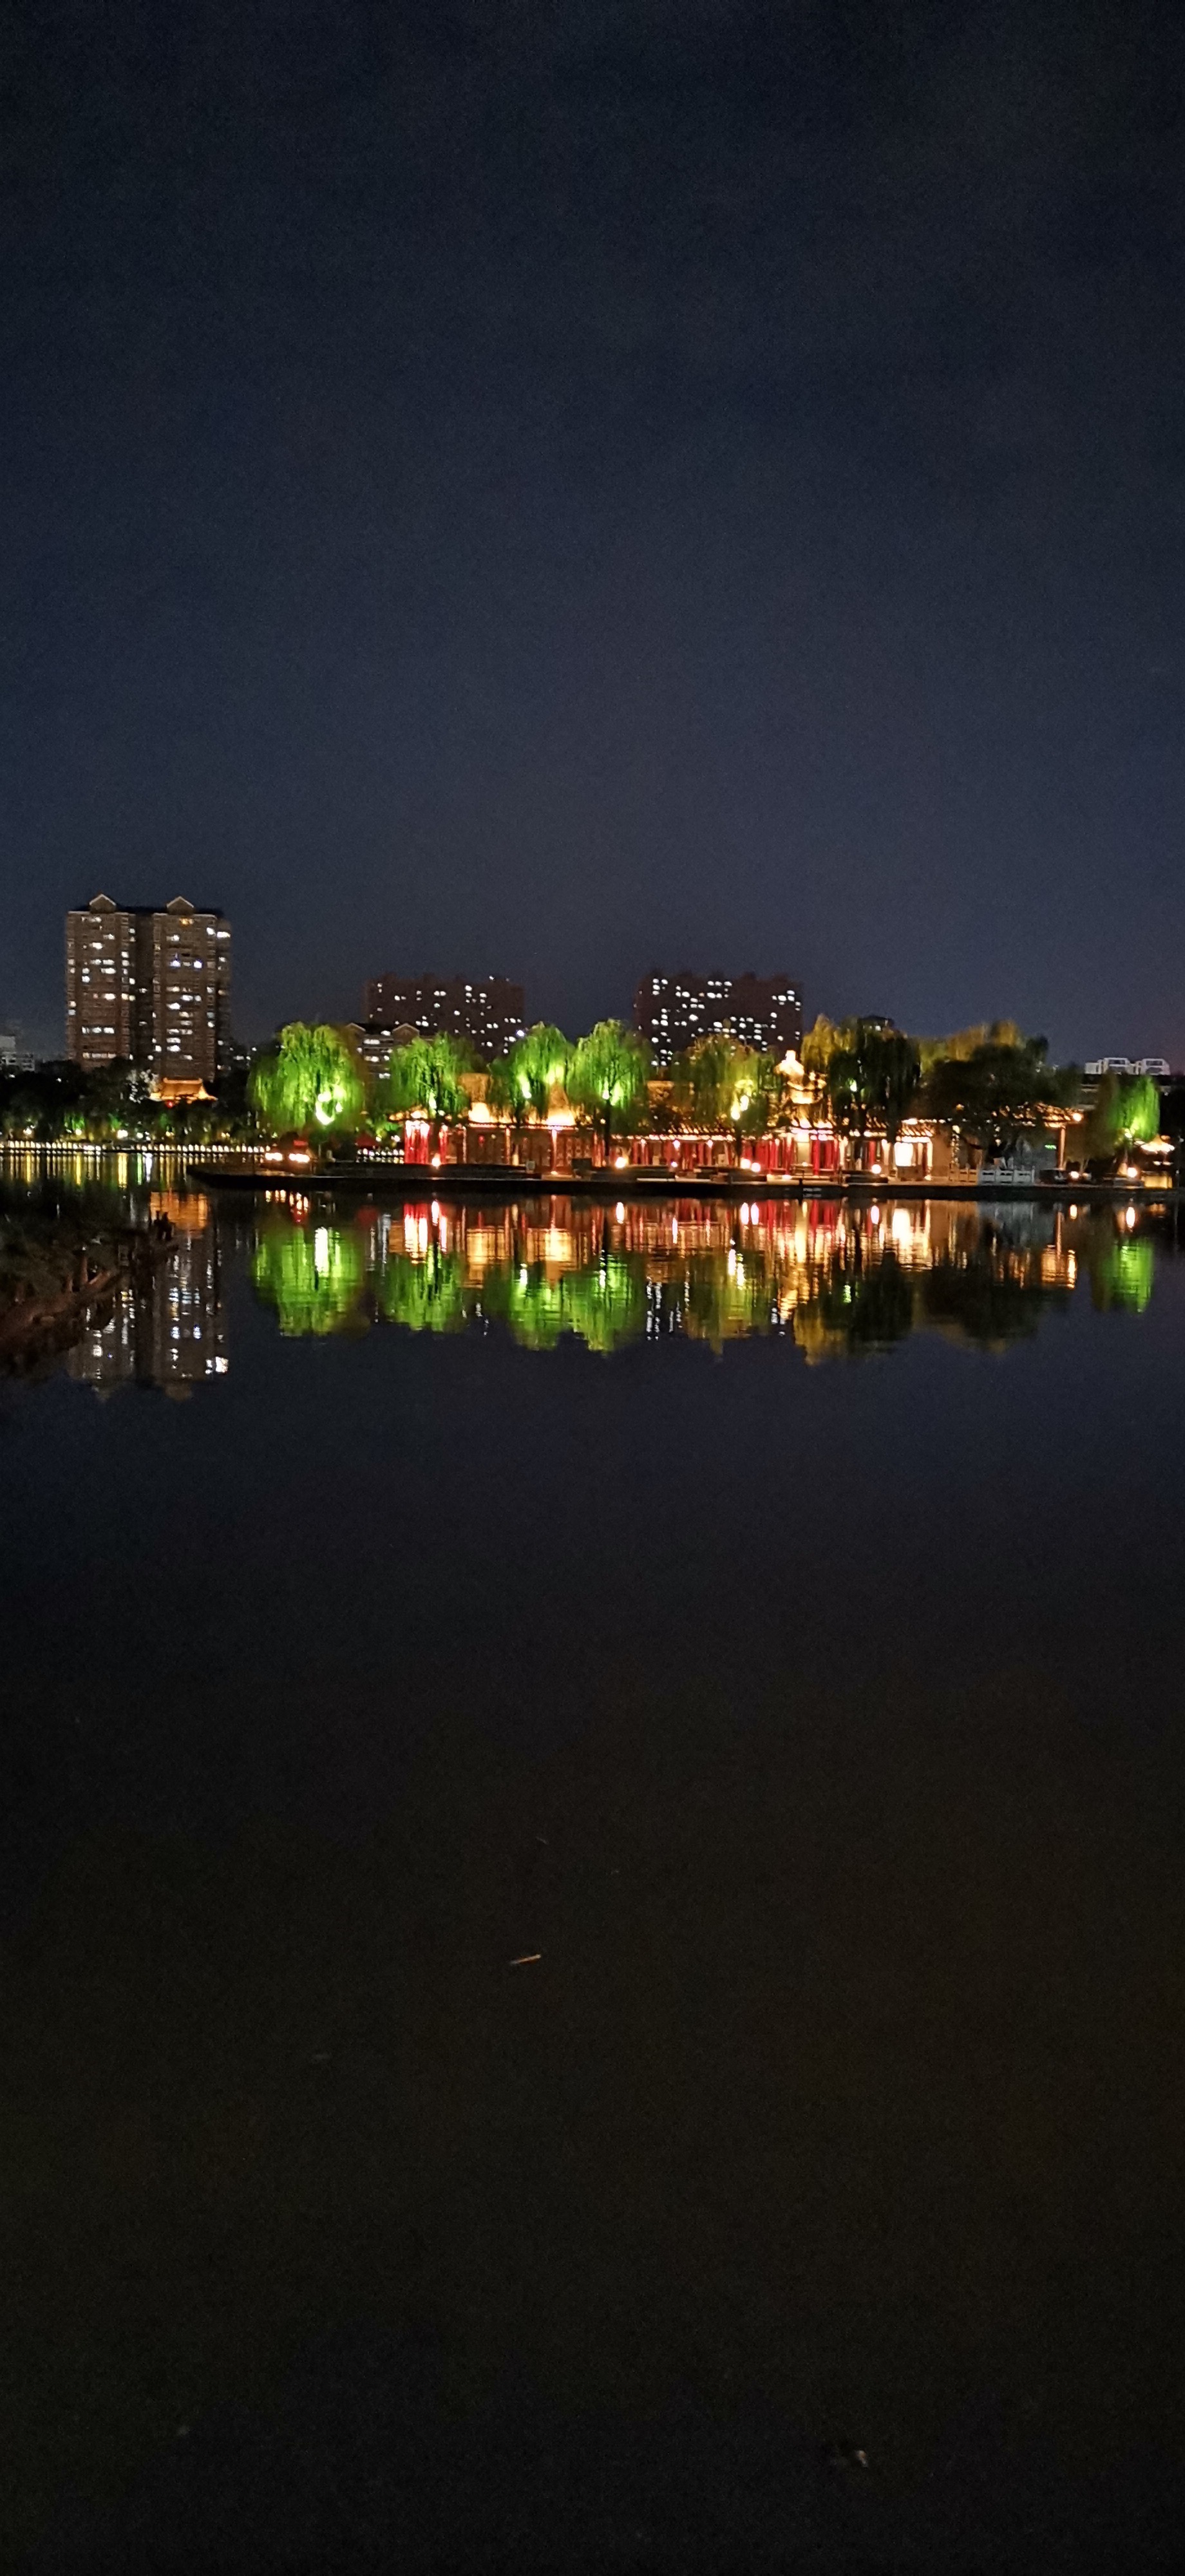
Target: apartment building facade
point(762, 1011)
point(488, 1011)
point(151, 988)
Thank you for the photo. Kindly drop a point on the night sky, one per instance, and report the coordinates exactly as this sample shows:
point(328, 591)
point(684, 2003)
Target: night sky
point(565, 488)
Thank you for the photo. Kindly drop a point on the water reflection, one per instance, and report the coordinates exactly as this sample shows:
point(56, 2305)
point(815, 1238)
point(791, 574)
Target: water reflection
point(168, 1331)
point(838, 1281)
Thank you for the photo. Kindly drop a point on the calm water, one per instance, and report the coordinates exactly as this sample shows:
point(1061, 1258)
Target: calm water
point(774, 1623)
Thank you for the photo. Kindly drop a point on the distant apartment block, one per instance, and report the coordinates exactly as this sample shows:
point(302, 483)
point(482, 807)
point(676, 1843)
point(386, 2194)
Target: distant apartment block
point(14, 1054)
point(672, 1011)
point(1156, 1065)
point(489, 1011)
point(150, 987)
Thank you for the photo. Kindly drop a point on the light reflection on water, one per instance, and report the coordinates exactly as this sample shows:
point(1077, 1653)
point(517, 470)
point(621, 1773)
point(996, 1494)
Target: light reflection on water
point(836, 1280)
point(833, 1279)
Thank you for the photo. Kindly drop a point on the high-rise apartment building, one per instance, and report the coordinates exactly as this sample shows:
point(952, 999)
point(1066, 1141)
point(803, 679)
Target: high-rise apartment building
point(489, 1011)
point(152, 987)
point(672, 1011)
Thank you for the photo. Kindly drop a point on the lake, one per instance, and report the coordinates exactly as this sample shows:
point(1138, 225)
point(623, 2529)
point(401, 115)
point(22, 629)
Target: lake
point(593, 1905)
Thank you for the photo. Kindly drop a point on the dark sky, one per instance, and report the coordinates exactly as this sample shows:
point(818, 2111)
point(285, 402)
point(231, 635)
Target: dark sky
point(563, 488)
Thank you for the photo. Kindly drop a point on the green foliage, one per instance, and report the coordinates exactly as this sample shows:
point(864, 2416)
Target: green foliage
point(999, 1092)
point(1121, 1274)
point(604, 1304)
point(607, 1077)
point(311, 1081)
point(722, 1086)
point(426, 1296)
point(819, 1045)
point(313, 1275)
point(523, 1080)
point(964, 1042)
point(870, 1078)
point(1126, 1112)
point(424, 1078)
point(52, 1101)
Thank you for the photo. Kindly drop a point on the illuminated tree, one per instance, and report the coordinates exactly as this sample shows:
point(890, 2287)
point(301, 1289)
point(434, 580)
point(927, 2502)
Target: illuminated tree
point(425, 1077)
point(720, 1084)
point(1125, 1113)
point(607, 1077)
point(523, 1080)
point(311, 1080)
point(870, 1078)
point(963, 1042)
point(536, 1065)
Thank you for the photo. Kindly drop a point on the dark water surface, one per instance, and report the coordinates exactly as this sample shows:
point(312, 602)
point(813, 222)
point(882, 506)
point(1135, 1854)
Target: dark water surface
point(772, 1619)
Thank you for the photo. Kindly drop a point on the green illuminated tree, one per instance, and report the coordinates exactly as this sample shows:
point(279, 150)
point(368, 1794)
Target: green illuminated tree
point(607, 1077)
point(538, 1063)
point(311, 1080)
point(522, 1081)
point(1126, 1112)
point(424, 1078)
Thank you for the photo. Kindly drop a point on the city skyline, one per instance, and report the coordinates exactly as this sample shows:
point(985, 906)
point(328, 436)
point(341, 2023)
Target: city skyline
point(489, 1011)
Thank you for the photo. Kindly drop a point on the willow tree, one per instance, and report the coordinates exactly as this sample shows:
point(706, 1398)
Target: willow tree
point(871, 1078)
point(424, 1079)
point(607, 1077)
point(523, 1080)
point(724, 1085)
point(963, 1043)
point(1126, 1112)
point(310, 1079)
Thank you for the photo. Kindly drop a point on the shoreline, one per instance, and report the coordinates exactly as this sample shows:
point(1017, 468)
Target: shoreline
point(459, 1180)
point(402, 1181)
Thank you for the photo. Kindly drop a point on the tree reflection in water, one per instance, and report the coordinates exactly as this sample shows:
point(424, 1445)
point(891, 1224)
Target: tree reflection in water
point(314, 1275)
point(838, 1280)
